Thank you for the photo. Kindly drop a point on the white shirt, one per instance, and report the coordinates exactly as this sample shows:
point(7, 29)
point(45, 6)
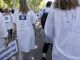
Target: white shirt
point(63, 27)
point(46, 10)
point(3, 30)
point(31, 18)
point(8, 21)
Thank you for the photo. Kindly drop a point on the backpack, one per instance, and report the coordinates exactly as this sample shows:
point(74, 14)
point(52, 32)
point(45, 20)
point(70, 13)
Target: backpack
point(43, 18)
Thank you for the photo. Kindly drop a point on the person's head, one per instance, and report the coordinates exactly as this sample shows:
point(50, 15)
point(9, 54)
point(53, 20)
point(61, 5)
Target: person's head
point(1, 10)
point(23, 6)
point(66, 4)
point(12, 11)
point(48, 4)
point(6, 10)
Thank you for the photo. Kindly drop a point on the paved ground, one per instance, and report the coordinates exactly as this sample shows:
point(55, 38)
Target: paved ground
point(39, 43)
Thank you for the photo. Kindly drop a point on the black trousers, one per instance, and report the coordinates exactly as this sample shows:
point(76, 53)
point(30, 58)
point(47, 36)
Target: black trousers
point(10, 32)
point(46, 47)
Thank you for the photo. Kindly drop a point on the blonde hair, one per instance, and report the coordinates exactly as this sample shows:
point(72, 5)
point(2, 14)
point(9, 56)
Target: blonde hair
point(66, 4)
point(23, 6)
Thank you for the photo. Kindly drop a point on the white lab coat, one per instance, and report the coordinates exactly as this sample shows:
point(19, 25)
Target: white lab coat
point(25, 31)
point(3, 31)
point(45, 10)
point(63, 27)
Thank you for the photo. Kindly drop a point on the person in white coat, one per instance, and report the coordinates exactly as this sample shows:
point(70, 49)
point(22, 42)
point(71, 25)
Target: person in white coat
point(63, 27)
point(8, 21)
point(45, 9)
point(43, 16)
point(24, 20)
point(3, 33)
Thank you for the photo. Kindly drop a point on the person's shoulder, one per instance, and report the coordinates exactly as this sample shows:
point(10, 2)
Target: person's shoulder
point(52, 9)
point(1, 17)
point(30, 12)
point(1, 14)
point(78, 7)
point(16, 13)
point(78, 10)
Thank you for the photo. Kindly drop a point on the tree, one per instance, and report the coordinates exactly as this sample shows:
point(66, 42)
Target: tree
point(9, 3)
point(1, 3)
point(34, 4)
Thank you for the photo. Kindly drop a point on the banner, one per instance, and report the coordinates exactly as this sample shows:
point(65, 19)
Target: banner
point(6, 53)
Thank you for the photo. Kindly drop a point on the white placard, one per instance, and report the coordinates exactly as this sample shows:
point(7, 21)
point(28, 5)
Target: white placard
point(8, 19)
point(6, 53)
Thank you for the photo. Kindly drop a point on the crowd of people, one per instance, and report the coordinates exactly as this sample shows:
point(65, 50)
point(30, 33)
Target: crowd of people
point(60, 29)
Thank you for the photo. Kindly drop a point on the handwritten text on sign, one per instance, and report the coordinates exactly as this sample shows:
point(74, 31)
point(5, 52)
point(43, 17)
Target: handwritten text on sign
point(9, 51)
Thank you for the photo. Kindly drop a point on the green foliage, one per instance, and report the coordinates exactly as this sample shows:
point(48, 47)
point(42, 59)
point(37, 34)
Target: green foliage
point(33, 4)
point(9, 3)
point(0, 3)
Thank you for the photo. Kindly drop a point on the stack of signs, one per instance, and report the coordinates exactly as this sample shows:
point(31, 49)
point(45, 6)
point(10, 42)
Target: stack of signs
point(9, 51)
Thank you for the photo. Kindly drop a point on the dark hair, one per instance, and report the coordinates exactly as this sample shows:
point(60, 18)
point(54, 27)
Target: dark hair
point(6, 10)
point(66, 4)
point(23, 6)
point(1, 10)
point(12, 11)
point(48, 4)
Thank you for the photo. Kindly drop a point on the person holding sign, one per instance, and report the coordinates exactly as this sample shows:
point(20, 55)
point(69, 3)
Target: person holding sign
point(63, 27)
point(24, 21)
point(3, 33)
point(8, 20)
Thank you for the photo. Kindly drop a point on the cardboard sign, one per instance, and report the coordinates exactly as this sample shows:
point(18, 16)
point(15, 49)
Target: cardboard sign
point(6, 53)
